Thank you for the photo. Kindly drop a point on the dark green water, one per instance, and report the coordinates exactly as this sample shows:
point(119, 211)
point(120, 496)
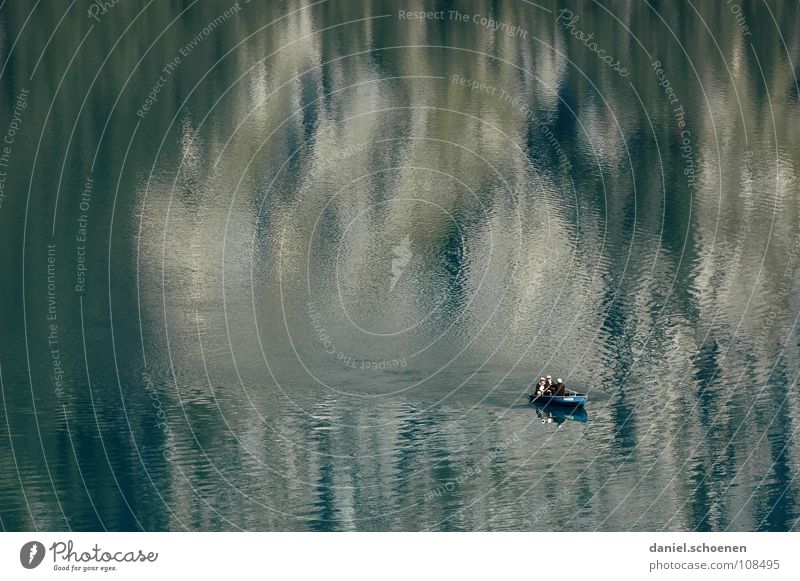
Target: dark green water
point(292, 265)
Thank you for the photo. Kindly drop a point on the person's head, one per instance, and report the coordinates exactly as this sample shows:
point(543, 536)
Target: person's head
point(541, 380)
point(559, 380)
point(549, 377)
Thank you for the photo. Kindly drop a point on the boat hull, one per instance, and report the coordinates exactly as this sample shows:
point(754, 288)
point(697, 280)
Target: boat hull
point(575, 399)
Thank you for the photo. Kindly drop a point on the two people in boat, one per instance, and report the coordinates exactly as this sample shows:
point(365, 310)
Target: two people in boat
point(547, 386)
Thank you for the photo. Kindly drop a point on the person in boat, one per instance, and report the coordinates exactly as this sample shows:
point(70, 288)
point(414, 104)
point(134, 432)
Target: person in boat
point(548, 385)
point(560, 388)
point(540, 387)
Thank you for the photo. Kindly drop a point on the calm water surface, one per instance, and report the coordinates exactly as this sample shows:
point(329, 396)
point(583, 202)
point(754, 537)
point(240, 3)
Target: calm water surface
point(293, 265)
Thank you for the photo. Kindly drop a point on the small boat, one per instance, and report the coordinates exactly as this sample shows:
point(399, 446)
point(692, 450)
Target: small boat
point(571, 398)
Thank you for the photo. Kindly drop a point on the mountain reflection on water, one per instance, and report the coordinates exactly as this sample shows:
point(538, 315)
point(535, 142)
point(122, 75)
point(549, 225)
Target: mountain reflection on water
point(307, 283)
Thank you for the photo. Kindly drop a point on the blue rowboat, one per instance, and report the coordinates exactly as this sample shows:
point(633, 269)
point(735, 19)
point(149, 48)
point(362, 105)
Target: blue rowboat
point(572, 398)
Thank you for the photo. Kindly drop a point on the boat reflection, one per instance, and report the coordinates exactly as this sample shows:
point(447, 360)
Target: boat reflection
point(559, 414)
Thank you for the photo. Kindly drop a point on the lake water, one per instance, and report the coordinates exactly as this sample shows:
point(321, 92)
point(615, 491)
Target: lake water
point(294, 267)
